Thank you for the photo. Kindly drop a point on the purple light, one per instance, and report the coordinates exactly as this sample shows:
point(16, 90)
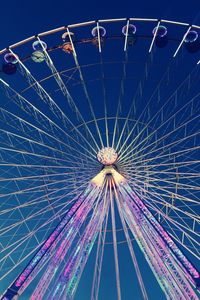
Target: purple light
point(39, 45)
point(131, 29)
point(102, 31)
point(189, 267)
point(168, 269)
point(10, 58)
point(49, 243)
point(161, 32)
point(191, 37)
point(66, 36)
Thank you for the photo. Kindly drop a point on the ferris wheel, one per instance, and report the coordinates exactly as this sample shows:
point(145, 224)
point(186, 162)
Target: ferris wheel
point(99, 162)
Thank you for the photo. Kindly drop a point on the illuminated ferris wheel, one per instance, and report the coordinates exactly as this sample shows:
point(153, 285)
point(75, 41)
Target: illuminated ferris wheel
point(99, 162)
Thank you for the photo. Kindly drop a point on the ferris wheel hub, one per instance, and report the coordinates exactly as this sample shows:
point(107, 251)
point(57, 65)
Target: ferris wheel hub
point(107, 156)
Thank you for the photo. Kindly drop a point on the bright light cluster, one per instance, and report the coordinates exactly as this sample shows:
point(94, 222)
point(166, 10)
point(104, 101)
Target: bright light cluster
point(107, 156)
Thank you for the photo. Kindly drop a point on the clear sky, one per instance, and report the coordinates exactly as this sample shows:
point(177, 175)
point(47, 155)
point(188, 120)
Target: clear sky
point(21, 18)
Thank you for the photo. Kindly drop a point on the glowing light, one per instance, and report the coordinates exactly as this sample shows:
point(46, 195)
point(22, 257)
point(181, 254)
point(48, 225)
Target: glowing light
point(99, 178)
point(65, 36)
point(161, 32)
point(10, 58)
point(191, 37)
point(102, 31)
point(46, 246)
point(67, 47)
point(38, 56)
point(131, 29)
point(38, 45)
point(189, 267)
point(107, 156)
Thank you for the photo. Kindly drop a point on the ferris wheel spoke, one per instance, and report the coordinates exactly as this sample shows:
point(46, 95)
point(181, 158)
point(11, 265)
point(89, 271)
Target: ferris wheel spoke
point(41, 226)
point(132, 109)
point(154, 191)
point(138, 92)
point(99, 254)
point(182, 237)
point(183, 229)
point(44, 172)
point(156, 142)
point(133, 257)
point(175, 154)
point(147, 248)
point(103, 216)
point(39, 177)
point(43, 94)
point(61, 251)
point(73, 267)
point(188, 165)
point(181, 198)
point(25, 124)
point(169, 166)
point(14, 246)
point(170, 183)
point(105, 101)
point(173, 180)
point(135, 201)
point(159, 199)
point(10, 138)
point(121, 91)
point(115, 242)
point(20, 262)
point(49, 207)
point(39, 188)
point(172, 165)
point(39, 200)
point(85, 90)
point(173, 190)
point(54, 194)
point(19, 151)
point(38, 182)
point(168, 171)
point(172, 98)
point(40, 212)
point(172, 144)
point(31, 251)
point(35, 166)
point(64, 89)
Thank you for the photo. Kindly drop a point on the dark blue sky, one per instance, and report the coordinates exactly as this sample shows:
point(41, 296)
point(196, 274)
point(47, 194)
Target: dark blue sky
point(20, 19)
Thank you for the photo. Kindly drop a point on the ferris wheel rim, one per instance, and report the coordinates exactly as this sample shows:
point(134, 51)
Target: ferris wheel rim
point(152, 190)
point(62, 28)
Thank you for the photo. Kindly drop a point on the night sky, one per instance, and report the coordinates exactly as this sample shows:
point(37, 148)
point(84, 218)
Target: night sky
point(21, 19)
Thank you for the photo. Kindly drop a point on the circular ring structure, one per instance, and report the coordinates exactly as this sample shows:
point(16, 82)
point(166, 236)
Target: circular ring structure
point(99, 161)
